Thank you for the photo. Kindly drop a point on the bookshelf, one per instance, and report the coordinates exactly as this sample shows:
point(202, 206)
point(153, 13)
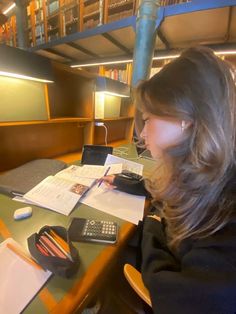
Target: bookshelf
point(8, 32)
point(70, 17)
point(91, 14)
point(48, 20)
point(120, 72)
point(36, 23)
point(120, 9)
point(53, 120)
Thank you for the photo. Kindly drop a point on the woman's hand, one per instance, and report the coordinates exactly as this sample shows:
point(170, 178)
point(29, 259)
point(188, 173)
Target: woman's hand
point(108, 181)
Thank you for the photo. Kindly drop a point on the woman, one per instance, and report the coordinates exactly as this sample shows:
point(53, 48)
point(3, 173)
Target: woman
point(189, 252)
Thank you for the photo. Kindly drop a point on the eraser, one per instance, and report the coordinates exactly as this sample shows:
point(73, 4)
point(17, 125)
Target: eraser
point(22, 213)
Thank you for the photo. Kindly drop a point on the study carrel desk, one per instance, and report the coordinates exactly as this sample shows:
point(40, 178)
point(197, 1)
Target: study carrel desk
point(61, 295)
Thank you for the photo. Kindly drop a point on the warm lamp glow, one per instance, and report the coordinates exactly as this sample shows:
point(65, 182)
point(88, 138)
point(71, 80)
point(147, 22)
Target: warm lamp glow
point(9, 9)
point(111, 94)
point(24, 77)
point(163, 57)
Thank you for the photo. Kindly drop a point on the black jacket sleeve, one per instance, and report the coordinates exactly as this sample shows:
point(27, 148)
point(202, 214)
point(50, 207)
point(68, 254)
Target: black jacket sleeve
point(203, 281)
point(130, 186)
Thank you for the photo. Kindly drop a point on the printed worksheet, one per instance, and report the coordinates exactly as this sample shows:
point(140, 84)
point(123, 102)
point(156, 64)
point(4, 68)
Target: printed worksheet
point(89, 171)
point(126, 164)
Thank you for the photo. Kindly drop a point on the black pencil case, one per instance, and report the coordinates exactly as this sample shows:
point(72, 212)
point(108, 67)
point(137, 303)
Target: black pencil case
point(58, 266)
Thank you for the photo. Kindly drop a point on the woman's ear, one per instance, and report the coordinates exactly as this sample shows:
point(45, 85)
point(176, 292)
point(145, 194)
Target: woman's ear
point(185, 125)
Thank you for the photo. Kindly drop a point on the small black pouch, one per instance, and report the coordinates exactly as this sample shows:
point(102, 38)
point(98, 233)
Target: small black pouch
point(58, 266)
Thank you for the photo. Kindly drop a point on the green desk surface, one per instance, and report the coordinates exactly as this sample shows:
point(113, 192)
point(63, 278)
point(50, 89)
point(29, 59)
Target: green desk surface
point(20, 230)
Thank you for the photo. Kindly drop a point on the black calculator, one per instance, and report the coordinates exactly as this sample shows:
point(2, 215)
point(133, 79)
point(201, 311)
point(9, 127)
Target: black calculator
point(90, 230)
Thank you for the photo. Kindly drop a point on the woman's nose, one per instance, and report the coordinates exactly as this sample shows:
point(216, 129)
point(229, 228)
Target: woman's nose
point(143, 133)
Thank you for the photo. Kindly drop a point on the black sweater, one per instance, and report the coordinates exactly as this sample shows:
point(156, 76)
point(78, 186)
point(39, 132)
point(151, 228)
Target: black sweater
point(201, 280)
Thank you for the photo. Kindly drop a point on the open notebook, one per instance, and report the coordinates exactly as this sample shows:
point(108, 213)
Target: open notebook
point(20, 281)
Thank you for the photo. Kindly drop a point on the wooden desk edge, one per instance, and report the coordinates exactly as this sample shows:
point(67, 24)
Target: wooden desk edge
point(77, 297)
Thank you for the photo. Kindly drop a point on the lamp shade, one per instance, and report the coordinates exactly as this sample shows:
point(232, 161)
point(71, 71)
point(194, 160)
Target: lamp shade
point(19, 63)
point(107, 85)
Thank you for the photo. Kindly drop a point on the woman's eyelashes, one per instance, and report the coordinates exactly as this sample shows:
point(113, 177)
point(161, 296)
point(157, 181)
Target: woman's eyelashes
point(145, 120)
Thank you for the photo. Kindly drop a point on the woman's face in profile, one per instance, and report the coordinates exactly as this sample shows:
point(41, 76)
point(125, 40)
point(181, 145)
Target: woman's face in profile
point(160, 133)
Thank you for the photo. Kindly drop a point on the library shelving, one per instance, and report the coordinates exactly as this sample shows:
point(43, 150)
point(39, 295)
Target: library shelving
point(8, 32)
point(120, 72)
point(36, 23)
point(179, 26)
point(48, 20)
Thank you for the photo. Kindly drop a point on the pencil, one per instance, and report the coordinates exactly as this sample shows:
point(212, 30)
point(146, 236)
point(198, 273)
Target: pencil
point(106, 172)
point(61, 241)
point(23, 256)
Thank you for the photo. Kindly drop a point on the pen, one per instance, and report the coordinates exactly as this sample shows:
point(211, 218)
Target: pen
point(23, 256)
point(60, 240)
point(106, 172)
point(91, 186)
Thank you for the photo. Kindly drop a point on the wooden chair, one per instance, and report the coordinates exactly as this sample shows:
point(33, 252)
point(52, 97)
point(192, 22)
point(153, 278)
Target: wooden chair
point(134, 278)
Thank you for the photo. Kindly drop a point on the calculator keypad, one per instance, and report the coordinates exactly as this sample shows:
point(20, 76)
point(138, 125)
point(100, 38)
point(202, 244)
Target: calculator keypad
point(104, 231)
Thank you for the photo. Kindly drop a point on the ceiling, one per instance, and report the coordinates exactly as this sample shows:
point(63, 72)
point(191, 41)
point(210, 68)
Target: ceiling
point(177, 31)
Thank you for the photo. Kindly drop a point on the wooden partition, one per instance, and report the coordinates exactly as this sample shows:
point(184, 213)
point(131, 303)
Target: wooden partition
point(21, 100)
point(71, 95)
point(22, 143)
point(117, 130)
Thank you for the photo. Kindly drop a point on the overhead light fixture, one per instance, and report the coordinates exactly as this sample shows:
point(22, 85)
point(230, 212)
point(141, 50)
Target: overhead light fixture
point(113, 94)
point(112, 87)
point(101, 63)
point(162, 55)
point(26, 65)
point(227, 52)
point(24, 77)
point(9, 8)
point(166, 57)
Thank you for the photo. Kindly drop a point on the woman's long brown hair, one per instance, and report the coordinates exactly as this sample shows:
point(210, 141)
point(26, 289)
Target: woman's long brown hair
point(197, 87)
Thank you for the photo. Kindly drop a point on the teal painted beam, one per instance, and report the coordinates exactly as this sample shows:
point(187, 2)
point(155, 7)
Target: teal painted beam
point(21, 17)
point(146, 28)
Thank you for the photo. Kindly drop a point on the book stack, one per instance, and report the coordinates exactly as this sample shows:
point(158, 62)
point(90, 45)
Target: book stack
point(171, 2)
point(118, 74)
point(91, 8)
point(120, 15)
point(53, 6)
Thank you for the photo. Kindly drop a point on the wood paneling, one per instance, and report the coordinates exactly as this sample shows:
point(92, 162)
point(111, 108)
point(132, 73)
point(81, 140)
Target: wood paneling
point(71, 95)
point(20, 144)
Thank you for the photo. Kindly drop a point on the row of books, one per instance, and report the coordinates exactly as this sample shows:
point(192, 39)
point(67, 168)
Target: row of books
point(119, 16)
point(67, 2)
point(115, 3)
point(171, 2)
point(120, 75)
point(91, 8)
point(93, 22)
